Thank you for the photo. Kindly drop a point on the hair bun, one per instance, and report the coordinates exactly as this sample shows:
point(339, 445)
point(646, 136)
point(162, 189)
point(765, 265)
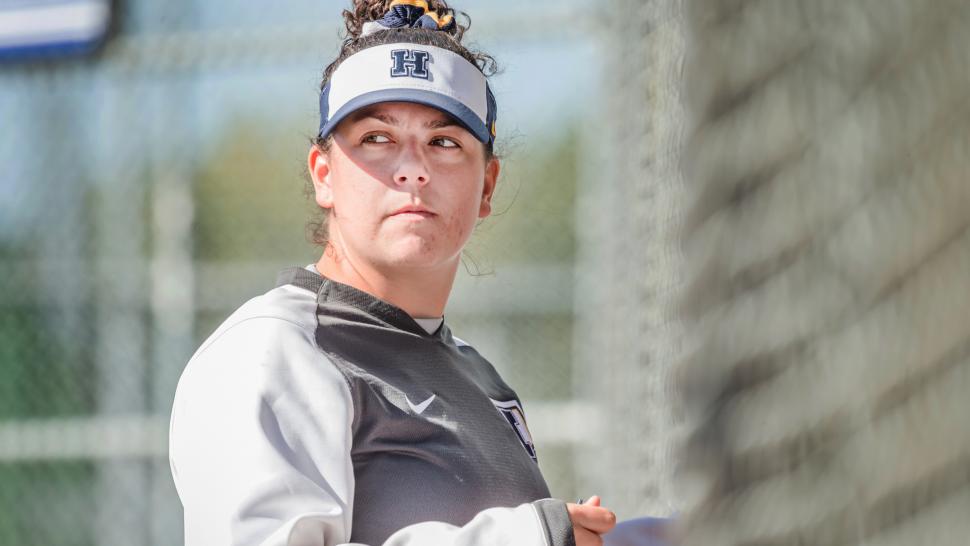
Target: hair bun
point(370, 16)
point(411, 14)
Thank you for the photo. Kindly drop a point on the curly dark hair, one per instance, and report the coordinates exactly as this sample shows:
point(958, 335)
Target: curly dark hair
point(372, 10)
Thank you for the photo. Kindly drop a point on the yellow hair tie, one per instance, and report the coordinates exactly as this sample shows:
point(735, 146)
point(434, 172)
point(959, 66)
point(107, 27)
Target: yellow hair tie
point(416, 3)
point(441, 21)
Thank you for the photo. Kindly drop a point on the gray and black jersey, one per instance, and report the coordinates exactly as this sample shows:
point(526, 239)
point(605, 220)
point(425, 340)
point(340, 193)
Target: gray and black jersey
point(318, 414)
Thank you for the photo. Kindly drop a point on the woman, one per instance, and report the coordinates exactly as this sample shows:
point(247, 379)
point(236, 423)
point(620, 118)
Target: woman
point(338, 407)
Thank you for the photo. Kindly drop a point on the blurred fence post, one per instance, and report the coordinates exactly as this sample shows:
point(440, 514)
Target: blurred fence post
point(121, 501)
point(172, 278)
point(628, 269)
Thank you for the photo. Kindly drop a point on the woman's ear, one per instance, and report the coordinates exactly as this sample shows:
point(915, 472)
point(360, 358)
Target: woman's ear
point(492, 169)
point(318, 163)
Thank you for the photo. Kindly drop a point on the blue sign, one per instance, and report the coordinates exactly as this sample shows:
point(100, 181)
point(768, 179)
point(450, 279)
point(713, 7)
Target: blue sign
point(32, 29)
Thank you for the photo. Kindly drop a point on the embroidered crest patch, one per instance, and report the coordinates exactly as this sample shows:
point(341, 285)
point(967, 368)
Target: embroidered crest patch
point(512, 411)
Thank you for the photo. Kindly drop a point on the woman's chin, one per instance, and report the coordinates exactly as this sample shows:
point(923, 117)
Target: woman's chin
point(417, 252)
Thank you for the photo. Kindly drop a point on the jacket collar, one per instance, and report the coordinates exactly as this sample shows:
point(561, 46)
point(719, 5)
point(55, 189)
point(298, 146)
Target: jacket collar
point(331, 293)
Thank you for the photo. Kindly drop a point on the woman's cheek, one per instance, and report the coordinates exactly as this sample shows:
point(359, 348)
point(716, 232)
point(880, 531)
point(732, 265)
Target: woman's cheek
point(462, 224)
point(462, 232)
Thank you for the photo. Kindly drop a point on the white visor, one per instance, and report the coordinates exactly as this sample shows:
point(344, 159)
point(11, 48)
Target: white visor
point(408, 72)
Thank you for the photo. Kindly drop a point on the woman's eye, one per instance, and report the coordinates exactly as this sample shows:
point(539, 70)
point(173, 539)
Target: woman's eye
point(445, 142)
point(376, 139)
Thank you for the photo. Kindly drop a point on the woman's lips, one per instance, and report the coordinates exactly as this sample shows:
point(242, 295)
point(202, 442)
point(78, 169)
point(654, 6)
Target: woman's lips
point(414, 214)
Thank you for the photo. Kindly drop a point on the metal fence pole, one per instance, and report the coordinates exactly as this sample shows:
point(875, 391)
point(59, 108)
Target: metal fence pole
point(172, 279)
point(121, 355)
point(625, 338)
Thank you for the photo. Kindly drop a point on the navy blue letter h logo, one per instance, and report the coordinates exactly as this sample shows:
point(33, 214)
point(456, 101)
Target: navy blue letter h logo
point(410, 63)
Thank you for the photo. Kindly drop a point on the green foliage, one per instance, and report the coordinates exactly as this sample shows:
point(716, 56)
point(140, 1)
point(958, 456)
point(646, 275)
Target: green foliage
point(37, 377)
point(41, 377)
point(42, 370)
point(533, 214)
point(249, 197)
point(40, 503)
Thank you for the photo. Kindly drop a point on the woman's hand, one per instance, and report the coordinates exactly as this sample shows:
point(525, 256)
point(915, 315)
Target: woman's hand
point(590, 520)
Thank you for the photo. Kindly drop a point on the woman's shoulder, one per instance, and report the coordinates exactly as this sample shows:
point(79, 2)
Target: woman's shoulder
point(267, 345)
point(287, 312)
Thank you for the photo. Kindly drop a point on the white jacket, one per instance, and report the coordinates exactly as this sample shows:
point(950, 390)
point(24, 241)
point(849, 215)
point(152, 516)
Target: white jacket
point(319, 415)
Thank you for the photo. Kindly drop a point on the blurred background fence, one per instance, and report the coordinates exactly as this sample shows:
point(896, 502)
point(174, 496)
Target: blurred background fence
point(827, 237)
point(149, 189)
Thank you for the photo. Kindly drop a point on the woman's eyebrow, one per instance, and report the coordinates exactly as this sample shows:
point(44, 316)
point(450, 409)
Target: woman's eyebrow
point(441, 123)
point(379, 116)
point(386, 118)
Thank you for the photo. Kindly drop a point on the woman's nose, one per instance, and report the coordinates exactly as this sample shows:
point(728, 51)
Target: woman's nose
point(411, 168)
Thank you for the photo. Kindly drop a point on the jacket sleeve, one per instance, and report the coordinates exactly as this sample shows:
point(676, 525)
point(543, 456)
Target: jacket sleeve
point(541, 523)
point(259, 448)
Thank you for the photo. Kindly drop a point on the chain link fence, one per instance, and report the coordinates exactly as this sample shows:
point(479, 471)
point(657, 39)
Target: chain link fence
point(148, 191)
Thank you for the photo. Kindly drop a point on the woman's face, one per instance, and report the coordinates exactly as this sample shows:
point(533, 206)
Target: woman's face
point(404, 184)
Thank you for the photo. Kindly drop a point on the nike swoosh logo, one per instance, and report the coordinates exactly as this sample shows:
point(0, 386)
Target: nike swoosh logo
point(419, 409)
